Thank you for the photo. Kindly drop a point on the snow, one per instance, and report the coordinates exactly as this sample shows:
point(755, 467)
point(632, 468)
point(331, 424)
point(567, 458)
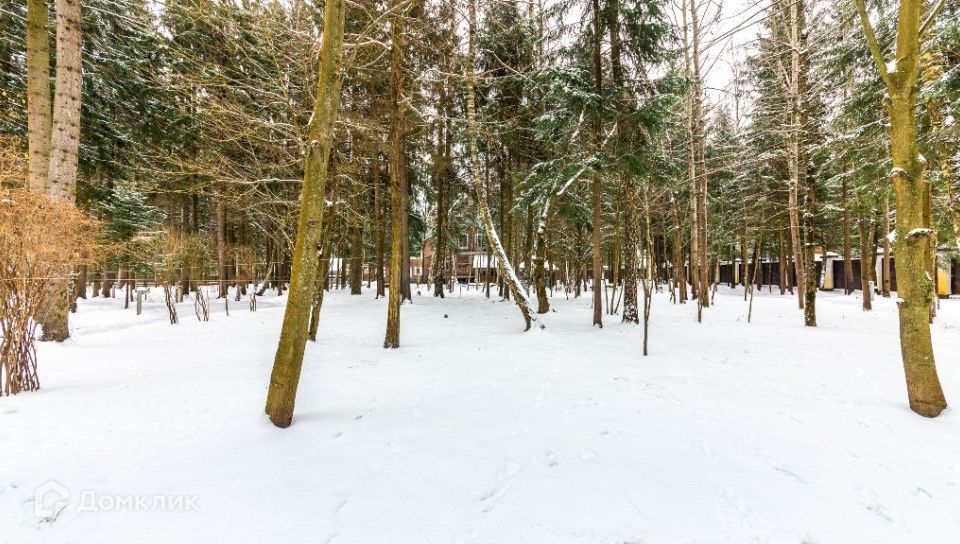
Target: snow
point(474, 431)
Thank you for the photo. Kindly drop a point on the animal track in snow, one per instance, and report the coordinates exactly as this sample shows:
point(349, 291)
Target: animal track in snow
point(506, 475)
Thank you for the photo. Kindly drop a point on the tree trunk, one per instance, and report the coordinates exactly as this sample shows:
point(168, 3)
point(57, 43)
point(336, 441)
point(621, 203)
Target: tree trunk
point(503, 263)
point(38, 95)
point(220, 224)
point(699, 159)
point(326, 254)
point(648, 280)
point(886, 248)
point(539, 258)
point(781, 262)
point(65, 136)
point(913, 227)
point(64, 146)
point(293, 336)
point(404, 222)
point(596, 186)
point(356, 240)
point(866, 261)
point(798, 40)
point(847, 254)
point(397, 198)
point(793, 153)
point(379, 221)
point(506, 218)
point(679, 274)
point(440, 235)
point(631, 310)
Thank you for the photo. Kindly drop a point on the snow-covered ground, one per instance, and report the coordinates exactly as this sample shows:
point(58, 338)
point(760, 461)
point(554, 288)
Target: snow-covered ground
point(474, 431)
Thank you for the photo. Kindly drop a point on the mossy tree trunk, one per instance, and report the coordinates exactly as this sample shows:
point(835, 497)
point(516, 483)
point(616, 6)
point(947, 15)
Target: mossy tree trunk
point(326, 253)
point(293, 335)
point(913, 227)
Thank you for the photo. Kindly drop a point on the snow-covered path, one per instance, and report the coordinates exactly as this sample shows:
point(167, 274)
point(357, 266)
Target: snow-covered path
point(474, 431)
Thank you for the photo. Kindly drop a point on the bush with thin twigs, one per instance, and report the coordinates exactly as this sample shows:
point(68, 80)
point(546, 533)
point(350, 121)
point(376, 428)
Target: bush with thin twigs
point(246, 268)
point(13, 165)
point(169, 254)
point(40, 238)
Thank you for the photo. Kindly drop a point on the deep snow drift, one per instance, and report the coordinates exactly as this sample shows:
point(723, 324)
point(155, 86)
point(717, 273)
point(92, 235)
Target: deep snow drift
point(474, 431)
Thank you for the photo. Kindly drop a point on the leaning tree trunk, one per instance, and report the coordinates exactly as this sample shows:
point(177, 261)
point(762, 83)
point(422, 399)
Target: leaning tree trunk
point(293, 336)
point(503, 264)
point(38, 95)
point(913, 228)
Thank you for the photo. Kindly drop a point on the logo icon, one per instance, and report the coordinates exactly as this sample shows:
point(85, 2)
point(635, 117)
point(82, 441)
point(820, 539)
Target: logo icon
point(50, 499)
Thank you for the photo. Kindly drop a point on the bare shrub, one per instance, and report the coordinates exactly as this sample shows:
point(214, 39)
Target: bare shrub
point(13, 166)
point(40, 237)
point(245, 257)
point(170, 254)
point(201, 304)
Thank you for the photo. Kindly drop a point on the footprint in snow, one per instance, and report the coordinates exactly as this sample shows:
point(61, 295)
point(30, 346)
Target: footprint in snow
point(790, 474)
point(922, 491)
point(878, 510)
point(553, 459)
point(499, 489)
